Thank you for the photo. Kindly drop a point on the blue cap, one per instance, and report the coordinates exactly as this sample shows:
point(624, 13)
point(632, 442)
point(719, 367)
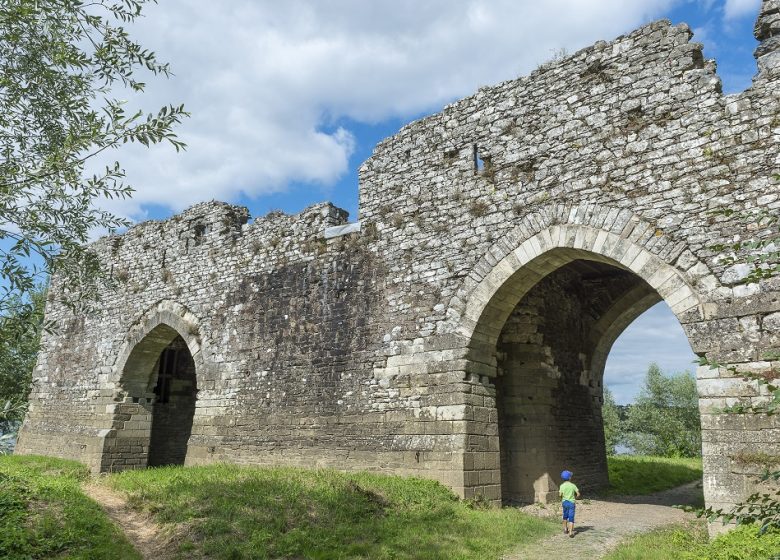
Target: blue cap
point(566, 475)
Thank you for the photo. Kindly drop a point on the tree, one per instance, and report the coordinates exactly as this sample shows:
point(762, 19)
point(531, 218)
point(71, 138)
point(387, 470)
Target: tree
point(611, 417)
point(20, 334)
point(62, 63)
point(665, 418)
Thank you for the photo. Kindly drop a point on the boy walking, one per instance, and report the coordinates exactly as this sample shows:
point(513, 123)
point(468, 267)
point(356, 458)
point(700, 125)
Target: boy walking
point(568, 493)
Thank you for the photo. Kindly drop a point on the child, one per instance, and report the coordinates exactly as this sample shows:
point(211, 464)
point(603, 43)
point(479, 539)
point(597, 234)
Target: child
point(567, 492)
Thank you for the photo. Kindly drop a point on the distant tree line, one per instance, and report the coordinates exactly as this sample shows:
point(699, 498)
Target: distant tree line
point(664, 420)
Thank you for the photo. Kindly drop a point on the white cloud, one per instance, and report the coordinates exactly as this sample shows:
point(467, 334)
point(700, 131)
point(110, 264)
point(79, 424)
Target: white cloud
point(266, 81)
point(735, 9)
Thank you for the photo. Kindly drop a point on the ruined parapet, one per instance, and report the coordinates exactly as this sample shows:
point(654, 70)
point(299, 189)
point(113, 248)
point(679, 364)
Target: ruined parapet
point(767, 31)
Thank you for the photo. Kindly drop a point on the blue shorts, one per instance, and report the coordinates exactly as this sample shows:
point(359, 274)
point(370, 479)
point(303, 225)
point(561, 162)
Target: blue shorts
point(568, 511)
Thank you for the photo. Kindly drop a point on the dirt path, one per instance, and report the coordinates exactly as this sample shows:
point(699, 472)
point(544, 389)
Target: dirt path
point(144, 534)
point(602, 524)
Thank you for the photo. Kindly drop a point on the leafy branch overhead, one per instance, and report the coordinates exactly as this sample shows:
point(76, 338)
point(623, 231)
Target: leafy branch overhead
point(760, 254)
point(63, 63)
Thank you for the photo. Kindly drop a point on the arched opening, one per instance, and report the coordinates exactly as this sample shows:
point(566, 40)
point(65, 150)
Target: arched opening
point(158, 393)
point(550, 360)
point(174, 405)
point(540, 312)
point(657, 337)
point(649, 381)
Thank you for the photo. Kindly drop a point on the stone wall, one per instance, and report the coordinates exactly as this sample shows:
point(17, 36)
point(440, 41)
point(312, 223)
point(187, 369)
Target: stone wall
point(379, 346)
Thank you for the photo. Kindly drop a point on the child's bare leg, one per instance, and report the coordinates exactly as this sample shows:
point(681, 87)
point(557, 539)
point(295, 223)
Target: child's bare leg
point(565, 525)
point(571, 528)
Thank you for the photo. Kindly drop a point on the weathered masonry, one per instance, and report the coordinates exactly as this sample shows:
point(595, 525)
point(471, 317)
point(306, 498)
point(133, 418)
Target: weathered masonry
point(460, 330)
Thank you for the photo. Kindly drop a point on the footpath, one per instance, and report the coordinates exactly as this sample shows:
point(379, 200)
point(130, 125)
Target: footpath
point(601, 524)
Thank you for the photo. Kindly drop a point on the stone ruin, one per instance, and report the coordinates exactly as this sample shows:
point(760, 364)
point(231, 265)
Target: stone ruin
point(459, 330)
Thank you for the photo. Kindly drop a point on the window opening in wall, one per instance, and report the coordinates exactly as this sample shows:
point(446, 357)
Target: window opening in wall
point(168, 366)
point(200, 231)
point(479, 163)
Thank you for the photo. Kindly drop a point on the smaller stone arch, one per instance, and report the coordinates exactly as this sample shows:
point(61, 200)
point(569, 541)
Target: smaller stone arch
point(170, 313)
point(154, 403)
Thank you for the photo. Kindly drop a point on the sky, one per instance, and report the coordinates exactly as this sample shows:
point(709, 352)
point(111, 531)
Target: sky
point(656, 336)
point(289, 98)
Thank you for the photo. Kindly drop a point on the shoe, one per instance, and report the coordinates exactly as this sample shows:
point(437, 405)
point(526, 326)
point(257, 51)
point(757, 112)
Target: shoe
point(571, 534)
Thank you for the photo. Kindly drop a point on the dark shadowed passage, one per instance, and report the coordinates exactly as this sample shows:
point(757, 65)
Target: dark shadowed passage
point(174, 405)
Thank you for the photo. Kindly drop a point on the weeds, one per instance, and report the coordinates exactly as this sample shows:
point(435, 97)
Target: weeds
point(478, 208)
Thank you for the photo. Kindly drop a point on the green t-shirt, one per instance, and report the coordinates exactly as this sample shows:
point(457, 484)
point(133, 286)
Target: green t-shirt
point(568, 491)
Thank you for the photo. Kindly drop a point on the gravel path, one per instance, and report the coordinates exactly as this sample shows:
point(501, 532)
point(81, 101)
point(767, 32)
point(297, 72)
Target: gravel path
point(601, 524)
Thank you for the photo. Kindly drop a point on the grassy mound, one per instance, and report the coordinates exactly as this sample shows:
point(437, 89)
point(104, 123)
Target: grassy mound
point(689, 542)
point(227, 511)
point(44, 514)
point(632, 475)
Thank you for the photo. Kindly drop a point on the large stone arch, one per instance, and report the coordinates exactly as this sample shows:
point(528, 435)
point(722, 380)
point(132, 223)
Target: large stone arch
point(610, 235)
point(167, 326)
point(512, 268)
point(543, 241)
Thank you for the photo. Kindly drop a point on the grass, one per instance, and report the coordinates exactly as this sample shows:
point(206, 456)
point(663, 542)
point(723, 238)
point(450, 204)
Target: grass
point(233, 512)
point(229, 512)
point(634, 475)
point(689, 542)
point(44, 514)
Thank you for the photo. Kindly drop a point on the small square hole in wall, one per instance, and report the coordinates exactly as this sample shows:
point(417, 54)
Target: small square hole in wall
point(450, 155)
point(136, 400)
point(200, 231)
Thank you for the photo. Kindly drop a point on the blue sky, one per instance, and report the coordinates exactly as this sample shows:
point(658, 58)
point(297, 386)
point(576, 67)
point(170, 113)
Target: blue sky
point(289, 98)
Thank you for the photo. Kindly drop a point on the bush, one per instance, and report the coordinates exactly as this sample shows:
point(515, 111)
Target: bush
point(690, 542)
